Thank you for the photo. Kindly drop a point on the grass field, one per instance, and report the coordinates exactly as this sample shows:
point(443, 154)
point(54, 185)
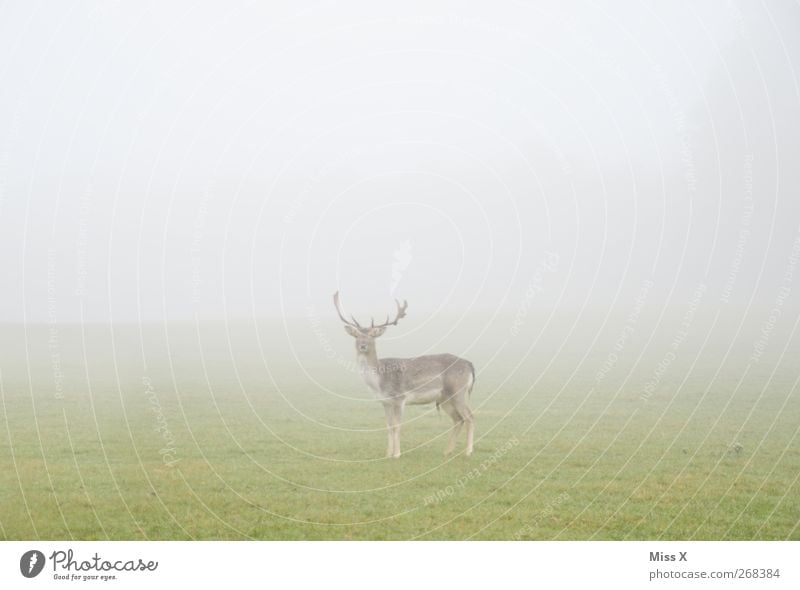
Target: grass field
point(148, 435)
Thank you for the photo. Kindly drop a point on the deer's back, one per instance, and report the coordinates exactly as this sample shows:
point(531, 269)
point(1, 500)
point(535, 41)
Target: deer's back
point(429, 372)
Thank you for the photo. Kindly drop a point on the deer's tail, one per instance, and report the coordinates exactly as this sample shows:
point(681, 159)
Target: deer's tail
point(472, 383)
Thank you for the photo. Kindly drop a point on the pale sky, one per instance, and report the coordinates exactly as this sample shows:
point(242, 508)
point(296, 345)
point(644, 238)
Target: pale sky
point(172, 161)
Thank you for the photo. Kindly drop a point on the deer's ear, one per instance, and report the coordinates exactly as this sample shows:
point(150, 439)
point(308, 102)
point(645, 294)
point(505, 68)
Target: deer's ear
point(375, 332)
point(351, 330)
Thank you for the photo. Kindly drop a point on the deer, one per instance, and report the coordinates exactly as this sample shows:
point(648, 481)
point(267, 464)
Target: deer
point(443, 379)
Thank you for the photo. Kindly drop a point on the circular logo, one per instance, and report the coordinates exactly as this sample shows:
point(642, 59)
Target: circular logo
point(31, 563)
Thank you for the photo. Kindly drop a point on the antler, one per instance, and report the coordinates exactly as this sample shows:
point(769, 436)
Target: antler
point(401, 313)
point(354, 323)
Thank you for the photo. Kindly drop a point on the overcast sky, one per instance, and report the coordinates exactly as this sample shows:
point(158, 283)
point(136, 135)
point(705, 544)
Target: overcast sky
point(177, 161)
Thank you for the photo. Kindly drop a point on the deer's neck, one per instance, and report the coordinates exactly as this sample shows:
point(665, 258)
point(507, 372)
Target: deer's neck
point(368, 368)
point(368, 360)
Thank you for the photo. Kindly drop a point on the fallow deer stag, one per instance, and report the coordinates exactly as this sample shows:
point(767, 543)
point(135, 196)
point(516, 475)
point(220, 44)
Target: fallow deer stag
point(443, 379)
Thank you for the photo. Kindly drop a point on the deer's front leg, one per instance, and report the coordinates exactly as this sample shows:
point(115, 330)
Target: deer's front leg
point(388, 408)
point(398, 418)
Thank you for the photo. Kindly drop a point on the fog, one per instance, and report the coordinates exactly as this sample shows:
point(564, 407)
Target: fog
point(244, 161)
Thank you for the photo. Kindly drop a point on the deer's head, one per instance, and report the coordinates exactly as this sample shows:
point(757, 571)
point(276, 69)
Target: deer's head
point(365, 335)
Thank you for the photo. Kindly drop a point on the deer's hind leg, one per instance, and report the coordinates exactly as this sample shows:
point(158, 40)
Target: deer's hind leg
point(458, 421)
point(463, 409)
point(470, 420)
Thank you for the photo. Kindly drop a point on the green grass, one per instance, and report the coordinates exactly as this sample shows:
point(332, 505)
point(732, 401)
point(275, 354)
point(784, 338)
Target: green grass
point(565, 459)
